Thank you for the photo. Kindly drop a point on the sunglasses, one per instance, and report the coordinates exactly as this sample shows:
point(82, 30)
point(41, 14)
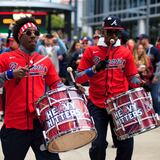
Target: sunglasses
point(29, 32)
point(111, 32)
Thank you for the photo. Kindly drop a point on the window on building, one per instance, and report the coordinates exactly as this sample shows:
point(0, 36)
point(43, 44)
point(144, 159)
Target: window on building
point(158, 9)
point(152, 10)
point(153, 1)
point(143, 2)
point(124, 4)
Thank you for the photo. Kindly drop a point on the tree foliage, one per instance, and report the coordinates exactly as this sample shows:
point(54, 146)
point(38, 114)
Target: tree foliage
point(57, 21)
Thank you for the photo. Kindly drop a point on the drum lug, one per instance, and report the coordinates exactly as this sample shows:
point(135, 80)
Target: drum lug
point(122, 127)
point(85, 99)
point(45, 136)
point(135, 109)
point(38, 112)
point(69, 96)
point(108, 111)
point(139, 121)
point(76, 121)
point(92, 120)
point(57, 127)
point(156, 118)
point(114, 105)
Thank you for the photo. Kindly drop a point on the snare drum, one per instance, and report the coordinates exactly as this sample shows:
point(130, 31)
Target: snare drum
point(132, 113)
point(65, 119)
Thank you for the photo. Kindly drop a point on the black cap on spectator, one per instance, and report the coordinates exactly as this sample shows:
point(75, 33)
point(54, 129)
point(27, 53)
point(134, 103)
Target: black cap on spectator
point(143, 36)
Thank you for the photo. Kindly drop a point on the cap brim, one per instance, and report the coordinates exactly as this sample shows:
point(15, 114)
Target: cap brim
point(115, 28)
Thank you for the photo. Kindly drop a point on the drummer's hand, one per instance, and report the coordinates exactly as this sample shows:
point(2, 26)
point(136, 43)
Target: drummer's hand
point(80, 88)
point(20, 72)
point(102, 65)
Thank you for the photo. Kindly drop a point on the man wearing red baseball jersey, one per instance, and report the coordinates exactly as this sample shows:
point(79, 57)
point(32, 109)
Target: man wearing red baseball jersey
point(110, 70)
point(25, 83)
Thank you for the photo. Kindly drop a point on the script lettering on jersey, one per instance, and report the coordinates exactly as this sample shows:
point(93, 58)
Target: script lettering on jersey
point(112, 63)
point(63, 113)
point(116, 63)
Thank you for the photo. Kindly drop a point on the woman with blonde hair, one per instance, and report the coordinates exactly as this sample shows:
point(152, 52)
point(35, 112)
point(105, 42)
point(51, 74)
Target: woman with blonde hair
point(143, 63)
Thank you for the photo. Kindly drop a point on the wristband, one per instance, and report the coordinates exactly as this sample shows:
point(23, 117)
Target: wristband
point(9, 74)
point(90, 72)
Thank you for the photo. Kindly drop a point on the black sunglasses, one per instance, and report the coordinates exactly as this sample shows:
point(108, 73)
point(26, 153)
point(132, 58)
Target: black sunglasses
point(111, 32)
point(29, 33)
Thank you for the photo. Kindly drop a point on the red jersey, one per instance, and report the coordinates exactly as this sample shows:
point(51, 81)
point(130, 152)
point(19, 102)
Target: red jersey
point(21, 95)
point(111, 81)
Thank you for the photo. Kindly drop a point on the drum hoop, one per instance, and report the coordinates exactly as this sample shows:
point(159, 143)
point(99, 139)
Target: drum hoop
point(124, 93)
point(60, 89)
point(71, 131)
point(134, 100)
point(54, 91)
point(39, 99)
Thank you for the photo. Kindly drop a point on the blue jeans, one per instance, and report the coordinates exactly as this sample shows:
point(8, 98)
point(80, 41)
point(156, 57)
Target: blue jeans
point(16, 143)
point(99, 145)
point(155, 93)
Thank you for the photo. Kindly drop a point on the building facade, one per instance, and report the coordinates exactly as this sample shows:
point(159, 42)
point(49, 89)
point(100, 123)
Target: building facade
point(40, 9)
point(138, 16)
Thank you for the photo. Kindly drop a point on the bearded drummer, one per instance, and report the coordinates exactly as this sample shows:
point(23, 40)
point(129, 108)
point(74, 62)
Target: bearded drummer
point(109, 68)
point(24, 74)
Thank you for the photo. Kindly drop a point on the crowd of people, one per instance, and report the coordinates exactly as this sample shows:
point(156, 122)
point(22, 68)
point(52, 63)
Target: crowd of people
point(109, 63)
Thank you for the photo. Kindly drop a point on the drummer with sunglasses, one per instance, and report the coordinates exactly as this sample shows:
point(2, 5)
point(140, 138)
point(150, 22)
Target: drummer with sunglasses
point(25, 83)
point(109, 67)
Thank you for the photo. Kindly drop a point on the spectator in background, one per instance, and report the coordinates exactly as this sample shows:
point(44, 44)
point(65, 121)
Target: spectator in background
point(74, 57)
point(130, 44)
point(40, 45)
point(144, 65)
point(154, 56)
point(158, 44)
point(12, 44)
point(98, 31)
point(124, 37)
point(96, 39)
point(54, 48)
point(2, 45)
point(84, 43)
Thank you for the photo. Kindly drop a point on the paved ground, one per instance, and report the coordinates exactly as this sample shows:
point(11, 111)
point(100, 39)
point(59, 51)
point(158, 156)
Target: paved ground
point(147, 147)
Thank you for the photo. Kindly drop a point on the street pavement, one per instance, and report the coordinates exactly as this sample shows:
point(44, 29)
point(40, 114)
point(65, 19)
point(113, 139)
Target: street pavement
point(147, 147)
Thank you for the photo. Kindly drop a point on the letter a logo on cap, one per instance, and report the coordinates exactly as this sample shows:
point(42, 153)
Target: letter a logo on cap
point(114, 23)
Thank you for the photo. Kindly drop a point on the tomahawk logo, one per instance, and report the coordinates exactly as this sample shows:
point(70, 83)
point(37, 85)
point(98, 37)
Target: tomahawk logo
point(114, 23)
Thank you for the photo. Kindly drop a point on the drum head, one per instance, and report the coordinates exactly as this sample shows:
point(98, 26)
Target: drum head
point(71, 141)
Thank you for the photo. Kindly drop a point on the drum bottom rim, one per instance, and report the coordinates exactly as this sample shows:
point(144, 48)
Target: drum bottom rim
point(90, 136)
point(137, 133)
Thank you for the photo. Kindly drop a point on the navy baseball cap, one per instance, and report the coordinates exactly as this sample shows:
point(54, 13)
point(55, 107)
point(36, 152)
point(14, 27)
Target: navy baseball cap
point(143, 36)
point(112, 22)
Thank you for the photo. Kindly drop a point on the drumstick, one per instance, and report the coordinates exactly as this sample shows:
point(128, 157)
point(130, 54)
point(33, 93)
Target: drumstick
point(80, 88)
point(70, 70)
point(38, 62)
